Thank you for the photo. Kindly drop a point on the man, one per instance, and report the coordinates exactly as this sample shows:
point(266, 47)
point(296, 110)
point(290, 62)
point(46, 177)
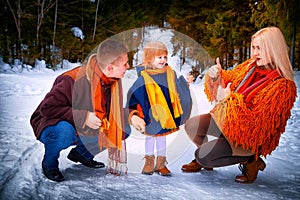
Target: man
point(84, 103)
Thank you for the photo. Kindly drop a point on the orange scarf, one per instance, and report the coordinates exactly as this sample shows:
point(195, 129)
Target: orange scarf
point(111, 130)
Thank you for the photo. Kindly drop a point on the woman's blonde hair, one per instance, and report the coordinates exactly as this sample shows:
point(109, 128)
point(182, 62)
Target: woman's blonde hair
point(151, 50)
point(274, 48)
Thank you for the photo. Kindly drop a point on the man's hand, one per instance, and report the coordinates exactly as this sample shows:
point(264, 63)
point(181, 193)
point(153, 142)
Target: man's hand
point(93, 121)
point(138, 123)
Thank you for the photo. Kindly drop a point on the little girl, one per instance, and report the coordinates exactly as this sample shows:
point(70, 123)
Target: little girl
point(159, 103)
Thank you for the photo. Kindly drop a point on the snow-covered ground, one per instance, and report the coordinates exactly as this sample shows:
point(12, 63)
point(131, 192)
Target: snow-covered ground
point(21, 155)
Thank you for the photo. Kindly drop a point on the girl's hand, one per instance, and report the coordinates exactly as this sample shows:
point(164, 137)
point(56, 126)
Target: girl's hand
point(138, 123)
point(190, 78)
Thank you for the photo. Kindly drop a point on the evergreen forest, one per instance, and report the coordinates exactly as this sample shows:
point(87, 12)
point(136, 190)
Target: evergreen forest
point(41, 29)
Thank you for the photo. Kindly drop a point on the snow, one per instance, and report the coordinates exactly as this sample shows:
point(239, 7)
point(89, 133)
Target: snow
point(77, 32)
point(21, 155)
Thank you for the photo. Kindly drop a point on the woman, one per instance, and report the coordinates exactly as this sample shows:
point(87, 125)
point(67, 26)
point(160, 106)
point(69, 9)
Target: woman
point(254, 101)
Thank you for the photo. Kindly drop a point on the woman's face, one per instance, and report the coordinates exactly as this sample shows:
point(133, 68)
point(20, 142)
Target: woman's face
point(258, 53)
point(159, 61)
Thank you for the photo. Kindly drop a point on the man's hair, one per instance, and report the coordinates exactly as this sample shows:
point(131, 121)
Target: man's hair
point(109, 51)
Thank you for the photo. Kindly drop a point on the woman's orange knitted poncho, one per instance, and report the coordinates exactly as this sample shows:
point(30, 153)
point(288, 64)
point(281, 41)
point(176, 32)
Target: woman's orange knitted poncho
point(256, 128)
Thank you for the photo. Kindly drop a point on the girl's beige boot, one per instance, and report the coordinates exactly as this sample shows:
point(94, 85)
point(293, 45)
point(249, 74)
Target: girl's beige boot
point(160, 167)
point(149, 165)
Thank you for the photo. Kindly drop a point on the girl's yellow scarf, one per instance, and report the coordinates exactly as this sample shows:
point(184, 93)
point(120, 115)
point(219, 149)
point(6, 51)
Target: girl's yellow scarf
point(159, 106)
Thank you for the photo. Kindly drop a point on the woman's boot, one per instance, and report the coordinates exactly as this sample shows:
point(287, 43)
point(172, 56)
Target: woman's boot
point(250, 170)
point(149, 165)
point(194, 167)
point(160, 167)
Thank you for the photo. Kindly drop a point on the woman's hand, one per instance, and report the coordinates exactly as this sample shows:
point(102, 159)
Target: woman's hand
point(138, 123)
point(222, 93)
point(215, 70)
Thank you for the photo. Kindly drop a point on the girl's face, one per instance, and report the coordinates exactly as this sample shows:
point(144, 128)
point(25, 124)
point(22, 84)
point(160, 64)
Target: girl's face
point(159, 61)
point(257, 53)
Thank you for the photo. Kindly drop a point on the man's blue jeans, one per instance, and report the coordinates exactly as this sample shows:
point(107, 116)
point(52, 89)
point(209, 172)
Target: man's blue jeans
point(61, 136)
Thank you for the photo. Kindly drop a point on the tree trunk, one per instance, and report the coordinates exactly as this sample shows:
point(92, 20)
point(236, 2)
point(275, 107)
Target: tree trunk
point(40, 16)
point(17, 14)
point(42, 10)
point(96, 19)
point(54, 33)
point(183, 55)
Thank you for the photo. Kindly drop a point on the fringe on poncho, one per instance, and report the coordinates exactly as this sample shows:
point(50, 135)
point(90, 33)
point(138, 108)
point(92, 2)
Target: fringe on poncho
point(256, 128)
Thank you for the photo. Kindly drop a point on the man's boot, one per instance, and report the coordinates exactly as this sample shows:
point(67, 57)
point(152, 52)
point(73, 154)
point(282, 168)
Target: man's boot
point(75, 156)
point(160, 167)
point(149, 165)
point(52, 174)
point(250, 170)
